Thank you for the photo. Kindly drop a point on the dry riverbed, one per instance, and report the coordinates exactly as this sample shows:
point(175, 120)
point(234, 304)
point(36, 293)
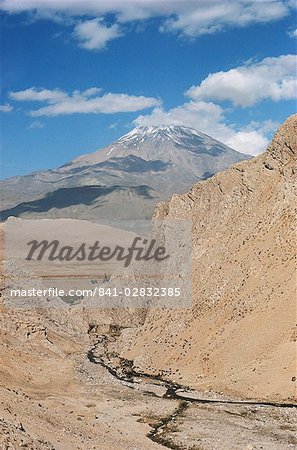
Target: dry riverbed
point(94, 402)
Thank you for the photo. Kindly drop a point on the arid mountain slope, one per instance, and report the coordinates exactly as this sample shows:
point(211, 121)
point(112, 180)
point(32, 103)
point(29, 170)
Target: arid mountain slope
point(239, 336)
point(124, 180)
point(237, 339)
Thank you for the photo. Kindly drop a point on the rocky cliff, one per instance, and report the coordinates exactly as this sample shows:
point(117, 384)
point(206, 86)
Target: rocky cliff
point(239, 335)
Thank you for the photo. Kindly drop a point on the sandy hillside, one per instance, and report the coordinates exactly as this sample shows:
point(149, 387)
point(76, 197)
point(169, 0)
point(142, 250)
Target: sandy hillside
point(239, 337)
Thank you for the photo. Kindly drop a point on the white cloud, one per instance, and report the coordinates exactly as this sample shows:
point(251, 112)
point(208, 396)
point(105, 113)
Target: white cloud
point(6, 108)
point(203, 116)
point(39, 95)
point(209, 17)
point(88, 101)
point(209, 118)
point(188, 17)
point(129, 9)
point(249, 142)
point(253, 138)
point(35, 125)
point(292, 33)
point(272, 78)
point(94, 35)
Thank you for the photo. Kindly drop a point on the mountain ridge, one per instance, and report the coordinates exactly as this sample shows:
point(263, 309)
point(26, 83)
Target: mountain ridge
point(176, 134)
point(167, 159)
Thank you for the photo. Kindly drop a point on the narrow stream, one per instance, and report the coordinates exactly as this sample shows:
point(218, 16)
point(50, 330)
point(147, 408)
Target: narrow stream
point(126, 373)
point(172, 389)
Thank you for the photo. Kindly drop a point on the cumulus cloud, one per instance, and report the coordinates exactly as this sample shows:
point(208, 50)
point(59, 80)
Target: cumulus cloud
point(203, 116)
point(210, 17)
point(254, 137)
point(6, 108)
point(94, 35)
point(210, 119)
point(191, 18)
point(86, 102)
point(250, 142)
point(271, 78)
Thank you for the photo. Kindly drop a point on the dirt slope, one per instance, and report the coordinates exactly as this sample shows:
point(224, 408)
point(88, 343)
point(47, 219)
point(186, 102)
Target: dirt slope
point(239, 336)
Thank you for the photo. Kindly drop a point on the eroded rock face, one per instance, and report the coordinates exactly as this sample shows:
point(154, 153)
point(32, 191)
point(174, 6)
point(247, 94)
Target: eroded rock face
point(239, 336)
point(283, 147)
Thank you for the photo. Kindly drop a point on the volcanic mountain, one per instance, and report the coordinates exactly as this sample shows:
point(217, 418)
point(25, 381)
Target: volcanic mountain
point(124, 180)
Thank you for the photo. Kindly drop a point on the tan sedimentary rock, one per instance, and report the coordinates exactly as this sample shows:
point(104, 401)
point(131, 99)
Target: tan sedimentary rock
point(239, 335)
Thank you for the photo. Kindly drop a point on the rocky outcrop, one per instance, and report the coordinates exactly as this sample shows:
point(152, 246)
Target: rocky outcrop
point(239, 335)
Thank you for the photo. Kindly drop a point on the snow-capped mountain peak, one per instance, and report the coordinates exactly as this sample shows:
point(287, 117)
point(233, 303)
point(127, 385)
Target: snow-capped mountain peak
point(123, 180)
point(166, 142)
point(172, 133)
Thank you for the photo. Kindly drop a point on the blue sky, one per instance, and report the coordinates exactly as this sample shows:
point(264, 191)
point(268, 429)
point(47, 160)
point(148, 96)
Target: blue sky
point(78, 74)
